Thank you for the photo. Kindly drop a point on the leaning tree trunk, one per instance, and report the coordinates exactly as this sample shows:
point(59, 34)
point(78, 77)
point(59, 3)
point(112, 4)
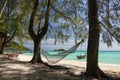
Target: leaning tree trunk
point(93, 40)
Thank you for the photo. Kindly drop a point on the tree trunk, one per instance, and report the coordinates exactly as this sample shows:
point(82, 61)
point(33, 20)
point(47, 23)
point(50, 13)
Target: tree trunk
point(2, 47)
point(37, 38)
point(39, 56)
point(93, 43)
point(3, 42)
point(93, 40)
point(36, 55)
point(32, 34)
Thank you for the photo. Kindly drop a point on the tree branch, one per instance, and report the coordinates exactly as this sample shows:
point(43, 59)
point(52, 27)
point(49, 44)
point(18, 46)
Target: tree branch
point(11, 37)
point(117, 38)
point(116, 10)
point(3, 6)
point(28, 3)
point(63, 15)
point(45, 28)
point(31, 23)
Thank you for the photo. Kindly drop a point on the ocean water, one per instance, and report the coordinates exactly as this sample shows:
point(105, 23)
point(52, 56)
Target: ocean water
point(109, 57)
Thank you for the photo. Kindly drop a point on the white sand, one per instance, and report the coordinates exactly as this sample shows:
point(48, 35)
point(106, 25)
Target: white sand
point(16, 70)
point(103, 66)
point(23, 57)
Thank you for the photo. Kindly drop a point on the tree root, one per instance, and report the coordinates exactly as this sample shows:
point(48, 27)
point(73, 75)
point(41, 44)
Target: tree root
point(100, 76)
point(103, 75)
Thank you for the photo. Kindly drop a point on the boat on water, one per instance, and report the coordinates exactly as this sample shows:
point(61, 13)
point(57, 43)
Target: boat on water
point(81, 56)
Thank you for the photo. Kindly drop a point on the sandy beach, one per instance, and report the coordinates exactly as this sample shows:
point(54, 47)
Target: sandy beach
point(103, 66)
point(19, 69)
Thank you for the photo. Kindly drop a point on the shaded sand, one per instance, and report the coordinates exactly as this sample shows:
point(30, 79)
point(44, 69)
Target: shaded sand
point(11, 69)
point(103, 66)
point(16, 70)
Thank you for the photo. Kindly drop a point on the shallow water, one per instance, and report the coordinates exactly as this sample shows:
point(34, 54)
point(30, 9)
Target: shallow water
point(110, 57)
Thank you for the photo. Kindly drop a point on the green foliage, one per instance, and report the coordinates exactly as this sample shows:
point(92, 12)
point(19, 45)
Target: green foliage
point(3, 27)
point(109, 17)
point(15, 20)
point(17, 46)
point(66, 21)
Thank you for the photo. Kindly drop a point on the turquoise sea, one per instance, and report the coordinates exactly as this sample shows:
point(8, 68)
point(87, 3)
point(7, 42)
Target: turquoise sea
point(109, 57)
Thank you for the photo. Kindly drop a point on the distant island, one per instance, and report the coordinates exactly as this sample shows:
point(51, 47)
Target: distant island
point(59, 50)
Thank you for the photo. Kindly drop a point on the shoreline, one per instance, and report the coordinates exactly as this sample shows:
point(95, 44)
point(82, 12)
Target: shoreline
point(72, 63)
point(23, 57)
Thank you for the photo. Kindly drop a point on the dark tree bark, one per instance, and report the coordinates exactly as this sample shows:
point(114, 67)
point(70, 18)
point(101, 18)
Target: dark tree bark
point(93, 43)
point(3, 42)
point(37, 38)
point(93, 40)
point(5, 39)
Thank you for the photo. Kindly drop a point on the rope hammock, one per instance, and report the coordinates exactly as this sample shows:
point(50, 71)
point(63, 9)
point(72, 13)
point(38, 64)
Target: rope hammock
point(54, 58)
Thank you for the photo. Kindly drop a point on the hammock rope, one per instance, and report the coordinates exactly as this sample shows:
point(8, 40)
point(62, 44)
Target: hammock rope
point(117, 37)
point(54, 58)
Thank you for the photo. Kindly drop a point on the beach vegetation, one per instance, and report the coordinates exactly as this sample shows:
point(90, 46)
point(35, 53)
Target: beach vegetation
point(12, 24)
point(61, 20)
point(109, 18)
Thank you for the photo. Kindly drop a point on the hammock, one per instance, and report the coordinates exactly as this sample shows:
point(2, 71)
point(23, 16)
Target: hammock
point(54, 58)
